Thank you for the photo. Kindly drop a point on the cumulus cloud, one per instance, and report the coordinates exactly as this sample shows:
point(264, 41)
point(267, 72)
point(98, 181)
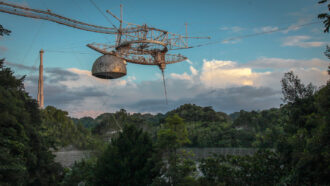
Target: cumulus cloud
point(222, 74)
point(185, 75)
point(301, 41)
point(226, 85)
point(194, 72)
point(263, 72)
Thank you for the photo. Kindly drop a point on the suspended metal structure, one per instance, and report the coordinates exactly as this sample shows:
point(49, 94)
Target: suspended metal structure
point(139, 44)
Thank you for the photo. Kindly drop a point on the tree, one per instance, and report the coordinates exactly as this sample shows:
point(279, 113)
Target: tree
point(327, 53)
point(130, 159)
point(179, 168)
point(25, 158)
point(82, 171)
point(260, 169)
point(304, 148)
point(325, 16)
point(4, 31)
point(293, 89)
point(326, 23)
point(192, 112)
point(63, 131)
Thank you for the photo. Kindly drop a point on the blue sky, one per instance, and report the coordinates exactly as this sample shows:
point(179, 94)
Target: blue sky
point(248, 66)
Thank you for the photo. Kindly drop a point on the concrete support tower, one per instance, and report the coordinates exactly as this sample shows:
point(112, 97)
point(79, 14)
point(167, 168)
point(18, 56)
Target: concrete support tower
point(41, 82)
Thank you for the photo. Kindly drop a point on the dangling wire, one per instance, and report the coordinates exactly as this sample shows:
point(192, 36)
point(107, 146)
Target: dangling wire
point(164, 87)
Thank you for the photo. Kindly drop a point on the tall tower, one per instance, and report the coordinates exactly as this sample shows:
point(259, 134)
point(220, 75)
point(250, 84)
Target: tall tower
point(41, 82)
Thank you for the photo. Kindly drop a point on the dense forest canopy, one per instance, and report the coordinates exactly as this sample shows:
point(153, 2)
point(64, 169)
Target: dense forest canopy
point(25, 156)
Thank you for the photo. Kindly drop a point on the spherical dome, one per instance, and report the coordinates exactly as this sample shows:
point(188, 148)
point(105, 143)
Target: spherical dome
point(109, 67)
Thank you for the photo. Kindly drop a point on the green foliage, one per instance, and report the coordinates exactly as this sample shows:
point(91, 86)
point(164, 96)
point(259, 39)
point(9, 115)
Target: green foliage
point(82, 171)
point(325, 16)
point(215, 134)
point(179, 169)
point(299, 131)
point(173, 135)
point(176, 125)
point(61, 129)
point(293, 90)
point(262, 127)
point(106, 122)
point(109, 122)
point(25, 158)
point(130, 159)
point(260, 169)
point(249, 129)
point(87, 122)
point(192, 112)
point(327, 52)
point(4, 31)
point(305, 146)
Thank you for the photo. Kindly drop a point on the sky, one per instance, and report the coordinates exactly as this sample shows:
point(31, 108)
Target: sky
point(253, 43)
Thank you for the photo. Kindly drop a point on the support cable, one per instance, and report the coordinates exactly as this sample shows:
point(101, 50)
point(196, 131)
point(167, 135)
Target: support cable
point(104, 99)
point(94, 4)
point(249, 35)
point(70, 52)
point(164, 87)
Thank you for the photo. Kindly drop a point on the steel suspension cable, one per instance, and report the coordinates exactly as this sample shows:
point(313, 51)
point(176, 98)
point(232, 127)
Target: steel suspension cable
point(164, 84)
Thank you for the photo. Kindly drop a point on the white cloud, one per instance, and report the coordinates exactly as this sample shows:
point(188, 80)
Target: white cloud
point(131, 78)
point(301, 41)
point(183, 76)
point(194, 72)
point(87, 80)
point(231, 41)
point(296, 26)
point(226, 85)
point(266, 29)
point(263, 72)
point(232, 28)
point(285, 64)
point(223, 74)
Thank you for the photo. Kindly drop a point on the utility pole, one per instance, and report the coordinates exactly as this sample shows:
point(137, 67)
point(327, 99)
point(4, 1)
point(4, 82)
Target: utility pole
point(41, 82)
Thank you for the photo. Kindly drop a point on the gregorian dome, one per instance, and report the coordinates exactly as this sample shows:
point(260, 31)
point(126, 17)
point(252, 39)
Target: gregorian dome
point(109, 67)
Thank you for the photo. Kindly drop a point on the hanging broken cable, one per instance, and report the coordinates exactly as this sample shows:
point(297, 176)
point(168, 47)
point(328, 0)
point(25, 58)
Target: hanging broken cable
point(164, 87)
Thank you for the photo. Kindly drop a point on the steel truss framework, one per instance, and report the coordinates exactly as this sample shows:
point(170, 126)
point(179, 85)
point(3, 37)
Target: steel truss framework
point(138, 44)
